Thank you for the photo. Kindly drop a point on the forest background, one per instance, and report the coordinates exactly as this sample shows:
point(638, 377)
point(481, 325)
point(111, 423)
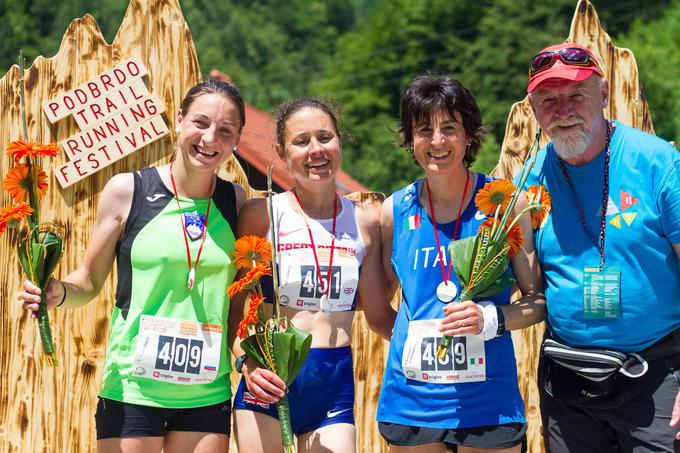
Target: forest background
point(360, 54)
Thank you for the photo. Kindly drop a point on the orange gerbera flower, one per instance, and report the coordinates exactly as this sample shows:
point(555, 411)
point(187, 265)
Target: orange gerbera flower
point(540, 205)
point(17, 182)
point(250, 317)
point(249, 281)
point(487, 223)
point(18, 149)
point(493, 194)
point(251, 251)
point(13, 213)
point(515, 239)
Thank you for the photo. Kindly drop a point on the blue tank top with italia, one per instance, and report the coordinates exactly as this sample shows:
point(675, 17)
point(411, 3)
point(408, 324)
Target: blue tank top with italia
point(415, 395)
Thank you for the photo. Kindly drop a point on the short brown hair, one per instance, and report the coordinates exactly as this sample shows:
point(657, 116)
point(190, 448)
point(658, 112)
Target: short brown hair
point(428, 94)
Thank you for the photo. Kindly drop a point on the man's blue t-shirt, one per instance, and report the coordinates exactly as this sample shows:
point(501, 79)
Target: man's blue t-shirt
point(642, 224)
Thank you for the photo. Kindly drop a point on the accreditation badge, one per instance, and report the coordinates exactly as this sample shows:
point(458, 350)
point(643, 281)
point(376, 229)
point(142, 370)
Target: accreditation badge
point(177, 351)
point(465, 360)
point(602, 292)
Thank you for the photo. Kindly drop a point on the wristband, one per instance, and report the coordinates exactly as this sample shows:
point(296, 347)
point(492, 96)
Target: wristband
point(238, 363)
point(63, 298)
point(501, 322)
point(491, 319)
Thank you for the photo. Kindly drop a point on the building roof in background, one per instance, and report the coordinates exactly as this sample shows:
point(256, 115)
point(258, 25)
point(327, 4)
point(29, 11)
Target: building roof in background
point(257, 148)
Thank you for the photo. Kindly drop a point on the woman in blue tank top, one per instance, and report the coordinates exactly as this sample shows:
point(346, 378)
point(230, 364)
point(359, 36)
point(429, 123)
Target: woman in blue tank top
point(468, 400)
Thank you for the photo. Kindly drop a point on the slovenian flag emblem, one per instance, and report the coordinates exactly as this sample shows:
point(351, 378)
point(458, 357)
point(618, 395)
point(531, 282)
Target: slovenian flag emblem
point(412, 222)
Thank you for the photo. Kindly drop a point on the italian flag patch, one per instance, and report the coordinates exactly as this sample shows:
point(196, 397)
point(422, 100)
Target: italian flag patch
point(412, 222)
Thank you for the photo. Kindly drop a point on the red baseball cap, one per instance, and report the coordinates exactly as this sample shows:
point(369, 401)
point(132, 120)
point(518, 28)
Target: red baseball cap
point(561, 70)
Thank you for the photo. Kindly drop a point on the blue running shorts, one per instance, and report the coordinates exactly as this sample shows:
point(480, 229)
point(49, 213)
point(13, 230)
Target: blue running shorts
point(322, 394)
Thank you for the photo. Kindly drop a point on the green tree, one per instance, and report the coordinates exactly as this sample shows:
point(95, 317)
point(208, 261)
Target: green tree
point(37, 26)
point(371, 66)
point(655, 45)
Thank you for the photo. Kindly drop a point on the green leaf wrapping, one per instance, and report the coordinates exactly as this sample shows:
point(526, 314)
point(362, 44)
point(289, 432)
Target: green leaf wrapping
point(53, 246)
point(479, 252)
point(495, 263)
point(506, 280)
point(283, 411)
point(39, 253)
point(290, 352)
point(251, 346)
point(301, 341)
point(283, 352)
point(24, 260)
point(461, 253)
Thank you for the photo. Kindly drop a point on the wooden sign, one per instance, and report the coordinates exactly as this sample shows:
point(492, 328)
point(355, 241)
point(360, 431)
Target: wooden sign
point(116, 114)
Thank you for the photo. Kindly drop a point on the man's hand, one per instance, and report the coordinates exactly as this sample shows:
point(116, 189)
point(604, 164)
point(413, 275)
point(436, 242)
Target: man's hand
point(675, 416)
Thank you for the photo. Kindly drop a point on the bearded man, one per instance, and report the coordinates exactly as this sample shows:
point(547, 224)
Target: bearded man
point(609, 252)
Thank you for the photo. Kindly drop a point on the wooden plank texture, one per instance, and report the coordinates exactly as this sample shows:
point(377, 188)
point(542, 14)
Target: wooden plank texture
point(52, 409)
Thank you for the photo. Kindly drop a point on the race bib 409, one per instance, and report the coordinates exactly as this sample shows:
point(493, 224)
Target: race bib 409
point(173, 350)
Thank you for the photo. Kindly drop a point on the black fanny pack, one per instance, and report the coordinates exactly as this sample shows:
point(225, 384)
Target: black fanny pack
point(598, 378)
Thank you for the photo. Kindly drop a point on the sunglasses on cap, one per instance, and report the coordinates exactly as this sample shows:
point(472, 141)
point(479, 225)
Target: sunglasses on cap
point(572, 56)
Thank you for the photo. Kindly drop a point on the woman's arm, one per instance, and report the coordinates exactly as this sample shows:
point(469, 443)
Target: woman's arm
point(372, 290)
point(530, 308)
point(264, 384)
point(386, 235)
point(83, 284)
point(240, 196)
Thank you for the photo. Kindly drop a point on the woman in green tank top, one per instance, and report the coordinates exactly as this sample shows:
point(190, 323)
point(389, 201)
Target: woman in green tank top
point(166, 379)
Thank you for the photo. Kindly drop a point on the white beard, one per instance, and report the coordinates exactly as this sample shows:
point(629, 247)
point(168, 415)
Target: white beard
point(570, 144)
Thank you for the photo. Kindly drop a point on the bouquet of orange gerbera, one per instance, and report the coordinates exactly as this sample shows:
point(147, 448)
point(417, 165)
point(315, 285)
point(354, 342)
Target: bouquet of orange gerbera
point(481, 261)
point(273, 343)
point(40, 245)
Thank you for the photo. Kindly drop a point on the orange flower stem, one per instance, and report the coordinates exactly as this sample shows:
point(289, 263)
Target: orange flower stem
point(495, 221)
point(260, 309)
point(34, 219)
point(524, 174)
point(272, 230)
point(32, 173)
point(521, 213)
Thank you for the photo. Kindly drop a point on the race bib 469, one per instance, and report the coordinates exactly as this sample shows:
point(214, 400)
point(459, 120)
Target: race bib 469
point(465, 360)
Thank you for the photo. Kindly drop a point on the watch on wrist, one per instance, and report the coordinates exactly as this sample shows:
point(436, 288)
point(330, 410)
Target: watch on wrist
point(501, 321)
point(238, 363)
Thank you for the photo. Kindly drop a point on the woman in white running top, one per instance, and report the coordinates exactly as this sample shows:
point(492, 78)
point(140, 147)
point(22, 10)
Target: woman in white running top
point(322, 238)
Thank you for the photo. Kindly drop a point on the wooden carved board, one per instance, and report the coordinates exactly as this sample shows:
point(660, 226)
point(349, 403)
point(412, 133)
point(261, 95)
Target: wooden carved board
point(52, 409)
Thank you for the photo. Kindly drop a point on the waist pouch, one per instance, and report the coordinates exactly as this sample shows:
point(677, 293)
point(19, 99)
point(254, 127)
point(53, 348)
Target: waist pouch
point(592, 378)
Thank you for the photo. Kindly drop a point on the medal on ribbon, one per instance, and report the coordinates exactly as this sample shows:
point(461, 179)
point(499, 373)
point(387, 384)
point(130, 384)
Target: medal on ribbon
point(193, 224)
point(446, 290)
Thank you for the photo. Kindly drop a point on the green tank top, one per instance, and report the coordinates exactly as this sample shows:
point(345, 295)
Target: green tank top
point(167, 345)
